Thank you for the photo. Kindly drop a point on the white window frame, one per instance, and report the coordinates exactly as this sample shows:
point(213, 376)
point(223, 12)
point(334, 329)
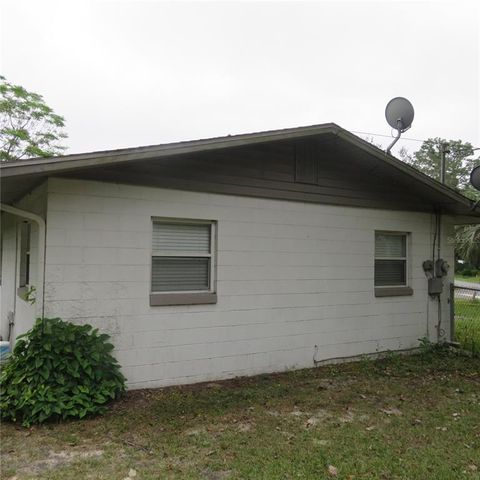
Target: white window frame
point(406, 258)
point(186, 296)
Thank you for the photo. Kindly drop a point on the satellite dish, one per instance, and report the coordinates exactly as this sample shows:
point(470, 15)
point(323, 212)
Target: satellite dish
point(475, 178)
point(399, 113)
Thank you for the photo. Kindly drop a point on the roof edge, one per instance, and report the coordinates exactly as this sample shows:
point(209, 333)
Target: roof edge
point(68, 163)
point(406, 168)
point(82, 160)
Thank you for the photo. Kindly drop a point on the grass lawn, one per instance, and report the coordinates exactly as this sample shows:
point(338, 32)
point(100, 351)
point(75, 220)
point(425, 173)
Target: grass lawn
point(467, 323)
point(411, 417)
point(467, 279)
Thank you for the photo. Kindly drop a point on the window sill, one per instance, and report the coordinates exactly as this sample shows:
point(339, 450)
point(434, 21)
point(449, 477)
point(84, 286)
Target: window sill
point(393, 291)
point(196, 298)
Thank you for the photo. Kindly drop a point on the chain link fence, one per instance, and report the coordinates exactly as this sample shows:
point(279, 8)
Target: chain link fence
point(465, 303)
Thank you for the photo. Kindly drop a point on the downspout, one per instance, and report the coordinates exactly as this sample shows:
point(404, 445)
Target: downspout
point(42, 230)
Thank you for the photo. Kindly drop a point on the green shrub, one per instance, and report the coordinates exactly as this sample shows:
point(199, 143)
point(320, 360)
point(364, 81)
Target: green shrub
point(467, 272)
point(59, 370)
point(427, 347)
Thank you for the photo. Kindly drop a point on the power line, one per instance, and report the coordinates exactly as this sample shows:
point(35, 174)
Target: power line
point(391, 136)
point(387, 136)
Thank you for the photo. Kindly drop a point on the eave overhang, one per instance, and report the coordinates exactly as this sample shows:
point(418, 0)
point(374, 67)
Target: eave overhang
point(19, 178)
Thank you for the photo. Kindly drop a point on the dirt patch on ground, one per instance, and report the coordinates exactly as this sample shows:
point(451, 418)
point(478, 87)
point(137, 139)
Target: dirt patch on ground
point(193, 432)
point(218, 475)
point(318, 417)
point(347, 417)
point(55, 460)
point(244, 427)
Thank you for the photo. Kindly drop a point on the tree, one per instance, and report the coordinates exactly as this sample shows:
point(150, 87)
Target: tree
point(467, 244)
point(458, 165)
point(457, 175)
point(28, 127)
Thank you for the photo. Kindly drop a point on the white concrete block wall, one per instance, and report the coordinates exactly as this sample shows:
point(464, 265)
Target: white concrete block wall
point(291, 275)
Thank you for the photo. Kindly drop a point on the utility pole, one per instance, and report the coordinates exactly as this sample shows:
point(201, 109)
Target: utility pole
point(443, 167)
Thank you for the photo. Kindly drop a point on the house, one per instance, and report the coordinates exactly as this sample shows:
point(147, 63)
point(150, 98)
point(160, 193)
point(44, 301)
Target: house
point(230, 256)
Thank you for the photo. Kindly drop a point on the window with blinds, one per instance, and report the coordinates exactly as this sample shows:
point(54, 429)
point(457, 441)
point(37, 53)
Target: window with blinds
point(182, 256)
point(390, 259)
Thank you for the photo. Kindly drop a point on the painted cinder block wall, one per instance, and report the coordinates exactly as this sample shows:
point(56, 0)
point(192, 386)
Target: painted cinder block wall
point(290, 275)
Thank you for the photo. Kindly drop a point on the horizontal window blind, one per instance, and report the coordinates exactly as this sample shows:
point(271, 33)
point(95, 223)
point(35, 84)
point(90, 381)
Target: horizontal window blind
point(180, 237)
point(390, 246)
point(170, 274)
point(390, 272)
point(182, 257)
point(390, 259)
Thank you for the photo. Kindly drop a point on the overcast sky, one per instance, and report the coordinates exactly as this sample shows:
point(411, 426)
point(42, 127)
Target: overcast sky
point(128, 73)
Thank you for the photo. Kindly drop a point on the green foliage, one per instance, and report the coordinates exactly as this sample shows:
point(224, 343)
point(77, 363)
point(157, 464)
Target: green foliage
point(30, 295)
point(467, 245)
point(458, 165)
point(427, 347)
point(28, 127)
point(425, 344)
point(59, 370)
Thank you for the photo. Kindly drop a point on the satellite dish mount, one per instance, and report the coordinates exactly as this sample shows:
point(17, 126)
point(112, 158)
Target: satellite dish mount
point(399, 114)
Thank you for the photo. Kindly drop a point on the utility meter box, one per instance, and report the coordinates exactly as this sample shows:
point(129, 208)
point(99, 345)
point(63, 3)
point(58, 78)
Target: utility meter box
point(441, 268)
point(435, 286)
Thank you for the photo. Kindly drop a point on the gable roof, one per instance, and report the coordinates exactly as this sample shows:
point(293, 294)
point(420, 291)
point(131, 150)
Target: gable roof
point(18, 178)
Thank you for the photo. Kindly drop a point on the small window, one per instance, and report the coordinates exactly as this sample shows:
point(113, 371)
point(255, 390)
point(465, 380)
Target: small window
point(183, 262)
point(390, 259)
point(25, 233)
